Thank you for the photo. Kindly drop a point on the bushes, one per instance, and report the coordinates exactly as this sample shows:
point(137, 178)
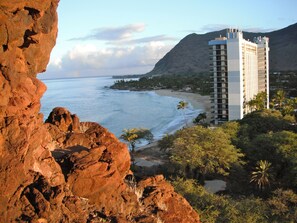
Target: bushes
point(221, 208)
point(281, 206)
point(261, 135)
point(204, 151)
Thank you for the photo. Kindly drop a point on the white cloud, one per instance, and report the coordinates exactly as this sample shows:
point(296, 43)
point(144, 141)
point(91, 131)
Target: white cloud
point(89, 60)
point(219, 27)
point(114, 33)
point(143, 40)
point(123, 35)
point(213, 27)
point(57, 62)
point(257, 30)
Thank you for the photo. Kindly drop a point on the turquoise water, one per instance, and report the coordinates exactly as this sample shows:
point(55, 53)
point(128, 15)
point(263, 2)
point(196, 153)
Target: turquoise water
point(92, 100)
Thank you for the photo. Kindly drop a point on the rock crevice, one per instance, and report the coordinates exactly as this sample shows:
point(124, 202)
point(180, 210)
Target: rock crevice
point(63, 170)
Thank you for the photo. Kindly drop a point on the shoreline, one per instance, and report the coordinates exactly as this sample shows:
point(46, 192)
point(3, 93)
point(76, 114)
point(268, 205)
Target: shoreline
point(197, 104)
point(196, 100)
point(149, 155)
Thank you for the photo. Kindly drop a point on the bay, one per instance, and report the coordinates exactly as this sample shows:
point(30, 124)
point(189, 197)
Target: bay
point(92, 100)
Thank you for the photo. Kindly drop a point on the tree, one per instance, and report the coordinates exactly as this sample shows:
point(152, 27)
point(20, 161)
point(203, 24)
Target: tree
point(200, 118)
point(283, 206)
point(258, 102)
point(262, 174)
point(264, 121)
point(166, 142)
point(222, 208)
point(288, 109)
point(287, 106)
point(134, 135)
point(278, 99)
point(279, 149)
point(231, 128)
point(183, 105)
point(202, 151)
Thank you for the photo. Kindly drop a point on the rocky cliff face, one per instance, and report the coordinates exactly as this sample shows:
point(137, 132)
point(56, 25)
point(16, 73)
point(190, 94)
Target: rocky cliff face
point(62, 170)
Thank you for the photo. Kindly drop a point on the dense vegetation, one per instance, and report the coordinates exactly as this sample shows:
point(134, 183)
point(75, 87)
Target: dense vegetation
point(286, 81)
point(256, 156)
point(280, 206)
point(199, 83)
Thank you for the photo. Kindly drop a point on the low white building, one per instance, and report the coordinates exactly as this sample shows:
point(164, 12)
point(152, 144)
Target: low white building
point(240, 70)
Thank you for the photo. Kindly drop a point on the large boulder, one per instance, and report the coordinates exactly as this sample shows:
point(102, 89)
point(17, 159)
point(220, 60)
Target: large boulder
point(28, 33)
point(62, 170)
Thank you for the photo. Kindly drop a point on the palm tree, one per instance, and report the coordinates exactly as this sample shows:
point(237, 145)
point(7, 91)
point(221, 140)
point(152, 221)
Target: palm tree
point(279, 99)
point(135, 134)
point(130, 136)
point(262, 174)
point(183, 105)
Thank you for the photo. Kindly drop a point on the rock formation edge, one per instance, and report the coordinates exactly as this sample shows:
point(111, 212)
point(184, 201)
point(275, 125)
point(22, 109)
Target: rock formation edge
point(63, 170)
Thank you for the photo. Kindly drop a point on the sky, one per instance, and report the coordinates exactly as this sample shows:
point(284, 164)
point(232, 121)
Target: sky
point(114, 37)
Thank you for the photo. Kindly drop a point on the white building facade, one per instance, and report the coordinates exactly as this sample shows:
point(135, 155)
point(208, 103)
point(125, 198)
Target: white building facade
point(240, 70)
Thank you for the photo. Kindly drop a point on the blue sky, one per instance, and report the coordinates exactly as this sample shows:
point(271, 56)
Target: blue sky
point(99, 38)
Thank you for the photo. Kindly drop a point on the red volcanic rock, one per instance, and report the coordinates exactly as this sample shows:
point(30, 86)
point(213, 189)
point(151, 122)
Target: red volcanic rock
point(95, 175)
point(32, 185)
point(158, 197)
point(62, 170)
point(95, 164)
point(97, 167)
point(64, 120)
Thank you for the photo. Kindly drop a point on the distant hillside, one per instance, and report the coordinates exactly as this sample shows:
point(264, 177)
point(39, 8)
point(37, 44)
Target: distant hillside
point(191, 54)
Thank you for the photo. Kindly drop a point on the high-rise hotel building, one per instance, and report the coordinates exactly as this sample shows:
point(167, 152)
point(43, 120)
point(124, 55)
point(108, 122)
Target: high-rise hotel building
point(240, 70)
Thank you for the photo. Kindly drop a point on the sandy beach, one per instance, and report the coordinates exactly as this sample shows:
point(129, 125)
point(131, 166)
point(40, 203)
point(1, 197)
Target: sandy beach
point(196, 100)
point(150, 155)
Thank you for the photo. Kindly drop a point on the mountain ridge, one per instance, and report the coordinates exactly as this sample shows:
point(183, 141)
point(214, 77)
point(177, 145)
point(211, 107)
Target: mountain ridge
point(191, 54)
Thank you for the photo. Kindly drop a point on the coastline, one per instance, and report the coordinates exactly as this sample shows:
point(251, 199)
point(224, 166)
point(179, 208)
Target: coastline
point(197, 104)
point(196, 100)
point(150, 152)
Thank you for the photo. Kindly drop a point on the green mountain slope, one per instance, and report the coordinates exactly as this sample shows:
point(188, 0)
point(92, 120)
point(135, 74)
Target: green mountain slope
point(191, 54)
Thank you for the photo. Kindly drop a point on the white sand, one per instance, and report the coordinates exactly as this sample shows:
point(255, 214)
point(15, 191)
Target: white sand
point(149, 155)
point(196, 100)
point(147, 163)
point(213, 186)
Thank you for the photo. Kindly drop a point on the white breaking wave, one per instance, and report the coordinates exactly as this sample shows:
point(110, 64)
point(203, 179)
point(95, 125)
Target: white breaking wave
point(92, 100)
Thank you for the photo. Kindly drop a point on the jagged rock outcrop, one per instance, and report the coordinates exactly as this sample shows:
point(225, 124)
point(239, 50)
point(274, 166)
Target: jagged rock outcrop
point(62, 170)
point(28, 33)
point(96, 167)
point(158, 196)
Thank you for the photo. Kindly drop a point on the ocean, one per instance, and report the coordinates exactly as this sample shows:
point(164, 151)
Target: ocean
point(92, 100)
